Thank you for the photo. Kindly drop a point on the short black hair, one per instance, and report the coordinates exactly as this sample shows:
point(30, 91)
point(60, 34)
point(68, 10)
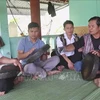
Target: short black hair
point(68, 22)
point(97, 18)
point(33, 25)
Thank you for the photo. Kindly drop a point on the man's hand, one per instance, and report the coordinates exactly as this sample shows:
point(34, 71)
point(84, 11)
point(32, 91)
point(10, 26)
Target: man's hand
point(23, 55)
point(31, 50)
point(96, 52)
point(44, 56)
point(80, 49)
point(17, 63)
point(70, 65)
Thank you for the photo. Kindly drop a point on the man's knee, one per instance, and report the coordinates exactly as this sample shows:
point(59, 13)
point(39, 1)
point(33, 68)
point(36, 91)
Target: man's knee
point(30, 68)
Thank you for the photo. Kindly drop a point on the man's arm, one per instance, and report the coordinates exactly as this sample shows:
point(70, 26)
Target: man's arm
point(5, 60)
point(70, 64)
point(21, 47)
point(22, 55)
point(75, 45)
point(58, 42)
point(69, 48)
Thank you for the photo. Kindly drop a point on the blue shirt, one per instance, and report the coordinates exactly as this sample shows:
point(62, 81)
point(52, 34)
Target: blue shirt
point(25, 45)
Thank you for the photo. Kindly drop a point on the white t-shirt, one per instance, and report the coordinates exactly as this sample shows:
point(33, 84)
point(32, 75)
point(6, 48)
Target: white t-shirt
point(68, 41)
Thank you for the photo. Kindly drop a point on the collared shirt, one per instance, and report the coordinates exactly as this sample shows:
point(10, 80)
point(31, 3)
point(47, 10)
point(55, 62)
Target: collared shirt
point(25, 45)
point(68, 41)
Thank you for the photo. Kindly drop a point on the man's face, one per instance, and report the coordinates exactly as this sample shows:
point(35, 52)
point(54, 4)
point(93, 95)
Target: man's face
point(69, 29)
point(34, 32)
point(93, 28)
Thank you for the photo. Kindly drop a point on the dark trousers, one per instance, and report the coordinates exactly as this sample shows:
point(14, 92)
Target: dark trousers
point(63, 62)
point(74, 58)
point(6, 84)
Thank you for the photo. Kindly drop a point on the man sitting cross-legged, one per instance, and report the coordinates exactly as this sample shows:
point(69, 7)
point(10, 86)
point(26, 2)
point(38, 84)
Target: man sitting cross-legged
point(28, 46)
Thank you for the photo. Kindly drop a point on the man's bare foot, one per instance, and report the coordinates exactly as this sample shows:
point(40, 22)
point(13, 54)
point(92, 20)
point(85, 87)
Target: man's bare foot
point(97, 82)
point(18, 80)
point(35, 77)
point(53, 72)
point(60, 68)
point(2, 93)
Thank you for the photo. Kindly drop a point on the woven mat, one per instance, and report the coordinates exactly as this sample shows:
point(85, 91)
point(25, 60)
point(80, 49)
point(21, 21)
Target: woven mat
point(67, 85)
